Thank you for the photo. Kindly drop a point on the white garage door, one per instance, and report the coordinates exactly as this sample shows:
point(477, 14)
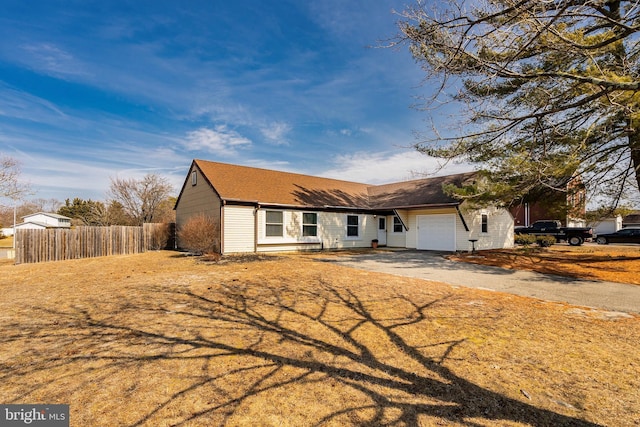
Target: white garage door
point(437, 232)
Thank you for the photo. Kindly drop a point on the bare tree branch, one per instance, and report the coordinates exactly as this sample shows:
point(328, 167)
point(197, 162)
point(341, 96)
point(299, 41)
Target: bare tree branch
point(10, 185)
point(140, 199)
point(543, 82)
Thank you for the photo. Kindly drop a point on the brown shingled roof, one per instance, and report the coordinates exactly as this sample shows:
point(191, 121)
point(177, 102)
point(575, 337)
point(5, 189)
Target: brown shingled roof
point(235, 183)
point(247, 184)
point(420, 192)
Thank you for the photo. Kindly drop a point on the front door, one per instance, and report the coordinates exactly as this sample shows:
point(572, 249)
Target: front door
point(382, 230)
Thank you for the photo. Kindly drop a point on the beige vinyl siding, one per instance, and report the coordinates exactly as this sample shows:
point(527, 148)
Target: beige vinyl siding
point(292, 238)
point(289, 247)
point(291, 228)
point(333, 230)
point(499, 229)
point(196, 200)
point(499, 233)
point(397, 240)
point(238, 232)
point(462, 235)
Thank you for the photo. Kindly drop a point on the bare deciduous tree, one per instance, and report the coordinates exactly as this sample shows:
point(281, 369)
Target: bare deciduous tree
point(10, 185)
point(47, 205)
point(140, 199)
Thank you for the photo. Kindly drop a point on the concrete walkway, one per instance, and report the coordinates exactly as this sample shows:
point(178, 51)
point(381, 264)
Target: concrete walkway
point(434, 266)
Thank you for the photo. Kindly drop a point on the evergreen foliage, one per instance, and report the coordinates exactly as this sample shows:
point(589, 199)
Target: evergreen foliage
point(551, 90)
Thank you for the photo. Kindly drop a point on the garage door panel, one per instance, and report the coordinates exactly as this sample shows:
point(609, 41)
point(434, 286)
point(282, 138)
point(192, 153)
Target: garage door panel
point(436, 232)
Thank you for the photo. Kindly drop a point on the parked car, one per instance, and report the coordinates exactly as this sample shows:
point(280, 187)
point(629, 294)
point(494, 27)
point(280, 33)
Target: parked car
point(626, 235)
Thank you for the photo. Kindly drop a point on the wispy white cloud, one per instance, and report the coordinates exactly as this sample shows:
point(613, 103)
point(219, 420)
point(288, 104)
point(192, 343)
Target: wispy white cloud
point(25, 106)
point(389, 166)
point(51, 59)
point(221, 140)
point(63, 165)
point(65, 178)
point(292, 87)
point(350, 20)
point(276, 132)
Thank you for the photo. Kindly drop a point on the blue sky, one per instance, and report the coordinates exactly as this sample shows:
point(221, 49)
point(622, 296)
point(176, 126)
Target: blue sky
point(92, 90)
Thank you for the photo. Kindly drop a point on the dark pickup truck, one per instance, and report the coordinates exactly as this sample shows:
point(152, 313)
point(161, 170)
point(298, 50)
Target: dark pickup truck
point(575, 236)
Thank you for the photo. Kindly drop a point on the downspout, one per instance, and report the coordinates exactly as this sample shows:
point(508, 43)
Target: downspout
point(255, 228)
point(222, 205)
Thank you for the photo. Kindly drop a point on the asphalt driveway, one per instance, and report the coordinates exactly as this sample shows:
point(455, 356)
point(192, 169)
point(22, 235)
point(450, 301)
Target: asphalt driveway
point(434, 266)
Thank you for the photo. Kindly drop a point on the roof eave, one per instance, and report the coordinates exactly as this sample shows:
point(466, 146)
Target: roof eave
point(257, 203)
point(276, 205)
point(420, 206)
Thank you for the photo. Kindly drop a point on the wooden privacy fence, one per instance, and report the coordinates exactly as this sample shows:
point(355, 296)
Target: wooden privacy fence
point(57, 244)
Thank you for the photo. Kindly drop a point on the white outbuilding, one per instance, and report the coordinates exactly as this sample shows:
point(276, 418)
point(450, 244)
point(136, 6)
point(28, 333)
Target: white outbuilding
point(43, 220)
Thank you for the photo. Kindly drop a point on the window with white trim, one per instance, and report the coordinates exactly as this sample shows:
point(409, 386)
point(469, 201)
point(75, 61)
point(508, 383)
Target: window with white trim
point(309, 224)
point(485, 223)
point(194, 178)
point(353, 226)
point(274, 224)
point(397, 225)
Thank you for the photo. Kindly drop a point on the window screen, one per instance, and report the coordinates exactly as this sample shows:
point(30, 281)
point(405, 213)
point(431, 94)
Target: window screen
point(274, 224)
point(397, 225)
point(309, 224)
point(352, 226)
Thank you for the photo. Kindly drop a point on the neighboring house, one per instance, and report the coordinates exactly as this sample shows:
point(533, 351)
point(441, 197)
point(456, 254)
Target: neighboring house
point(262, 210)
point(43, 220)
point(606, 225)
point(631, 220)
point(565, 202)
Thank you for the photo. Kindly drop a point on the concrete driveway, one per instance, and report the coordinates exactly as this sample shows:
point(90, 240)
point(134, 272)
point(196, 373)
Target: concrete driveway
point(434, 266)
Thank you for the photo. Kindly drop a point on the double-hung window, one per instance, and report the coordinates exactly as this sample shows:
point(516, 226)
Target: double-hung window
point(485, 223)
point(309, 224)
point(353, 228)
point(274, 224)
point(397, 225)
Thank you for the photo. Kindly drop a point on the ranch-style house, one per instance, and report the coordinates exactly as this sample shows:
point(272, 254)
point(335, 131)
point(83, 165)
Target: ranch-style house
point(261, 210)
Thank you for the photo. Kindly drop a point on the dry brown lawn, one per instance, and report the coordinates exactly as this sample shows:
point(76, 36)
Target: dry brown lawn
point(616, 263)
point(159, 339)
point(6, 242)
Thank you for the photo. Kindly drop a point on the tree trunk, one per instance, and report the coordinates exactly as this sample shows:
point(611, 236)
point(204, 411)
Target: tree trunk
point(634, 146)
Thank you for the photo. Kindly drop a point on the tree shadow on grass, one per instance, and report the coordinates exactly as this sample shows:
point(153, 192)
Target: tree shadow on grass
point(249, 340)
point(557, 264)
